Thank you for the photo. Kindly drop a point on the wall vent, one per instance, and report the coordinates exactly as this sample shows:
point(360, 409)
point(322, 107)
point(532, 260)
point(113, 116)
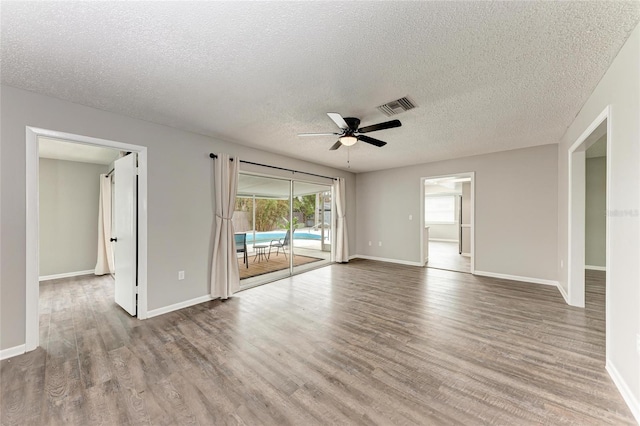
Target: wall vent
point(397, 106)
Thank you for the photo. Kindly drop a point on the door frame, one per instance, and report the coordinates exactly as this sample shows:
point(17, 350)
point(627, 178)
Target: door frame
point(421, 222)
point(32, 222)
point(576, 215)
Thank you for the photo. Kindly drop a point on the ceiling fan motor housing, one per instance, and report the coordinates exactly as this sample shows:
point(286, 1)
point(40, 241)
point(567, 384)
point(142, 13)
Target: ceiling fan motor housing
point(353, 123)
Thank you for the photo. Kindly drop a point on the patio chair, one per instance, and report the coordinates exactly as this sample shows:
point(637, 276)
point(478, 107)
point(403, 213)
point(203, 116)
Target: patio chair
point(241, 246)
point(280, 243)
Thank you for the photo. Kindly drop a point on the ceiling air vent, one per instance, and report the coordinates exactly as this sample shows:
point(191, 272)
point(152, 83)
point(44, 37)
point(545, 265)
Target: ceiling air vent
point(396, 107)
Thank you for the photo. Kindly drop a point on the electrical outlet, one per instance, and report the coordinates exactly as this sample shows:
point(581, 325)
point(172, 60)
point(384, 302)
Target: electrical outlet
point(379, 243)
point(410, 217)
point(369, 243)
point(181, 275)
point(562, 263)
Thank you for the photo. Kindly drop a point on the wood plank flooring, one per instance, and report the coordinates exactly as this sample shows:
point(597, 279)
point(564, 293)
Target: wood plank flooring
point(445, 255)
point(358, 343)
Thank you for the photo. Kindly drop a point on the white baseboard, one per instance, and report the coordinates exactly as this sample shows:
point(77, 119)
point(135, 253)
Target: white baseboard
point(384, 259)
point(626, 393)
point(180, 305)
point(66, 275)
point(443, 240)
point(564, 294)
point(465, 254)
point(11, 352)
point(595, 268)
point(516, 278)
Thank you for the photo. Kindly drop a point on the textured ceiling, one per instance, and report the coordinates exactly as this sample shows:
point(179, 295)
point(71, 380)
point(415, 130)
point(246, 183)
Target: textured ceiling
point(486, 76)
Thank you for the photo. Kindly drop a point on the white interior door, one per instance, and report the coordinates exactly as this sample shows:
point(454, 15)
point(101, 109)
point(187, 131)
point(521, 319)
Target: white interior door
point(125, 211)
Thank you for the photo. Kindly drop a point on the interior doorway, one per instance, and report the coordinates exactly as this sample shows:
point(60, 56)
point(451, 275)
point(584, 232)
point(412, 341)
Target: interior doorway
point(447, 225)
point(72, 183)
point(596, 136)
point(587, 283)
point(583, 284)
point(136, 286)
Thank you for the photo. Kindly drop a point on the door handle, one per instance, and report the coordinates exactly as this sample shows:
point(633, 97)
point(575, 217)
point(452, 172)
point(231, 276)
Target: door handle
point(114, 240)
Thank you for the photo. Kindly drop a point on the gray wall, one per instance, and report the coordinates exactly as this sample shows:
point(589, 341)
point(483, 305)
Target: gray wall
point(180, 202)
point(69, 198)
point(596, 204)
point(516, 210)
point(619, 89)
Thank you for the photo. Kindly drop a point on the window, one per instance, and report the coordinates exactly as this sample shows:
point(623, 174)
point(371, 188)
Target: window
point(440, 209)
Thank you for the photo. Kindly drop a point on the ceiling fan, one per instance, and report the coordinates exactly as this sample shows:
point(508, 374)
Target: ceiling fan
point(350, 133)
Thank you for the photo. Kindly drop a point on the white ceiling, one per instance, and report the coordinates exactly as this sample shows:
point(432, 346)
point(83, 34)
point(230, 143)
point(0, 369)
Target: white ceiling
point(62, 150)
point(486, 76)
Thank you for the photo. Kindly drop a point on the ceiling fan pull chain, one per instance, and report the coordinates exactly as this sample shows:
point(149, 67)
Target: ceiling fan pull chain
point(348, 162)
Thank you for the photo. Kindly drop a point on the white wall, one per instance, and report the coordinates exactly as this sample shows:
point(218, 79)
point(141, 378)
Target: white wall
point(515, 206)
point(595, 208)
point(69, 198)
point(180, 202)
point(441, 231)
point(619, 88)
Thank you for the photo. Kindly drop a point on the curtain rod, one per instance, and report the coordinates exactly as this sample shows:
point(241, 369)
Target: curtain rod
point(109, 174)
point(212, 155)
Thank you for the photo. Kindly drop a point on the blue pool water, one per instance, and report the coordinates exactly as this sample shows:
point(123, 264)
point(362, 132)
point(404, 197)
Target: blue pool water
point(266, 237)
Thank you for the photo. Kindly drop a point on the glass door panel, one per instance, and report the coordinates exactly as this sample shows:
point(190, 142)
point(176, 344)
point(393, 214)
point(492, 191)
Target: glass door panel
point(312, 222)
point(262, 213)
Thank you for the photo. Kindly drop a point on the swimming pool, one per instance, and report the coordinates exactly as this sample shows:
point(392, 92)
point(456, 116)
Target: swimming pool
point(266, 237)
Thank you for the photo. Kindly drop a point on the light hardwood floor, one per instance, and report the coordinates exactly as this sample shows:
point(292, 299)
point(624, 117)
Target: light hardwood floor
point(359, 343)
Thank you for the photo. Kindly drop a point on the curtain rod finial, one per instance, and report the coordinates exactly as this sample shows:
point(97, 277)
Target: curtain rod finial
point(212, 155)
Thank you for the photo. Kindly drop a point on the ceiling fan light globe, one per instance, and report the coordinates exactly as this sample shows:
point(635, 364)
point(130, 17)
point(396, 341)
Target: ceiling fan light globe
point(348, 140)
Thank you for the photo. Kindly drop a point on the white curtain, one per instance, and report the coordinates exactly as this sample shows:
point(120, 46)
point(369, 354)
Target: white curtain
point(104, 264)
point(342, 238)
point(225, 274)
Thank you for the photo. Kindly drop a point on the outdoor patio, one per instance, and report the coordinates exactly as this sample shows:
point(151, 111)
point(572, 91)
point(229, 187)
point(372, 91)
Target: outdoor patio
point(307, 249)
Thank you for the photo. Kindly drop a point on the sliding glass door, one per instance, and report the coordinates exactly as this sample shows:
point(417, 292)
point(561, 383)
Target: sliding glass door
point(283, 226)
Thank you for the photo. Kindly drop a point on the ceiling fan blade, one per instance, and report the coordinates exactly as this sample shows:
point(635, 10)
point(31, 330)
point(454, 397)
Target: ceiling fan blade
point(318, 134)
point(337, 118)
point(335, 146)
point(372, 141)
point(380, 126)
